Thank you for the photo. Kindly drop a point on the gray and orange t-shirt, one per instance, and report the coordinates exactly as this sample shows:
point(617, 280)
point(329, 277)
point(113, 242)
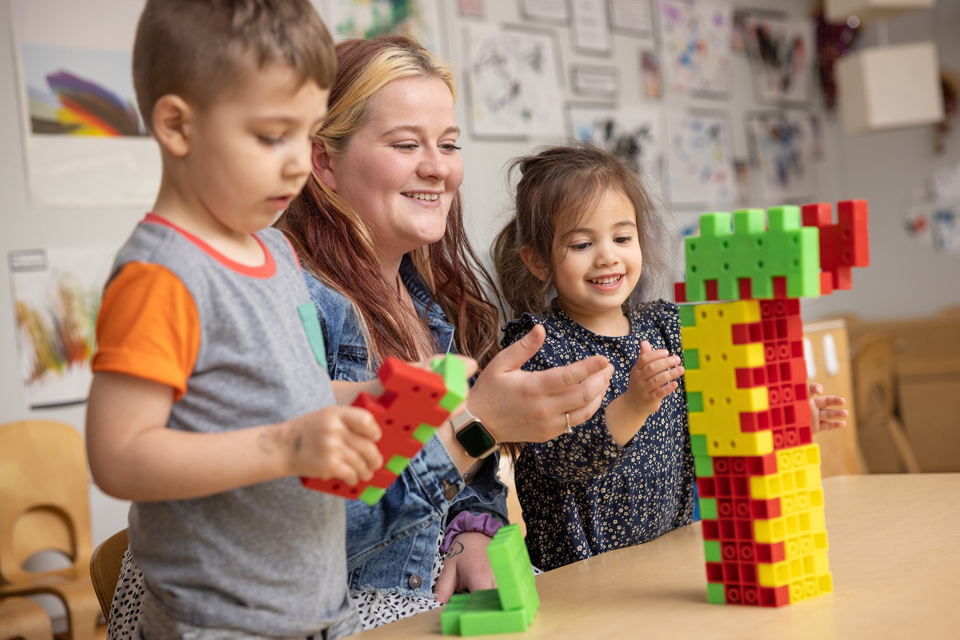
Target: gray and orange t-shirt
point(241, 346)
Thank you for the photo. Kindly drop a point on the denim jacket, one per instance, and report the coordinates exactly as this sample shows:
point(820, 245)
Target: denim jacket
point(391, 546)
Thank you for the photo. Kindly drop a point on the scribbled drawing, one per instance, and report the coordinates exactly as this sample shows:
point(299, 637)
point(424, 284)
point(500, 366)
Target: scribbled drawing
point(57, 295)
point(650, 75)
point(700, 168)
point(945, 228)
point(514, 89)
point(696, 45)
point(633, 135)
point(781, 54)
point(417, 19)
point(783, 145)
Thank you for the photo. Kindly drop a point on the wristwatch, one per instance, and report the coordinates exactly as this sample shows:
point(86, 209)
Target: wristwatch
point(475, 439)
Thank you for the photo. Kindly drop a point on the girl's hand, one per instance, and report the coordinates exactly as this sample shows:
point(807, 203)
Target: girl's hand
point(652, 379)
point(532, 406)
point(334, 442)
point(821, 418)
point(466, 567)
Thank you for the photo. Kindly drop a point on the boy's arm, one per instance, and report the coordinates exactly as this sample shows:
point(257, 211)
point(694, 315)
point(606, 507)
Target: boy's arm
point(134, 456)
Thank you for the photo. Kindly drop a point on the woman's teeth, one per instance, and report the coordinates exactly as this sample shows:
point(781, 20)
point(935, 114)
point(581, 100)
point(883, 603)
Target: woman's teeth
point(423, 196)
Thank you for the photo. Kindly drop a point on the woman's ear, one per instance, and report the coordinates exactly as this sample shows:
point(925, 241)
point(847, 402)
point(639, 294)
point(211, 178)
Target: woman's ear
point(173, 124)
point(530, 259)
point(322, 165)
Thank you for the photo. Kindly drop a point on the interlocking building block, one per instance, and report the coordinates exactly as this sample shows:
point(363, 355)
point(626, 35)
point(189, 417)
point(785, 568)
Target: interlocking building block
point(413, 404)
point(511, 606)
point(843, 245)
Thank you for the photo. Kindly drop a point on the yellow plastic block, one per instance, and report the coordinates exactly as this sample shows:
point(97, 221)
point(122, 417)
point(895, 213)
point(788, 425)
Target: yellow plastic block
point(811, 587)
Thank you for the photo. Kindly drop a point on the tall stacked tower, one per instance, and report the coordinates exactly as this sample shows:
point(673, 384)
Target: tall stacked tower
point(758, 471)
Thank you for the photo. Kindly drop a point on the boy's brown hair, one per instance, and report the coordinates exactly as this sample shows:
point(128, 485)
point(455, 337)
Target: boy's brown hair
point(196, 49)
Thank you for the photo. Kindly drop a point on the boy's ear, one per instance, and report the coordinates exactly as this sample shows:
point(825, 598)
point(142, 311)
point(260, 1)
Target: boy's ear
point(322, 168)
point(172, 124)
point(530, 259)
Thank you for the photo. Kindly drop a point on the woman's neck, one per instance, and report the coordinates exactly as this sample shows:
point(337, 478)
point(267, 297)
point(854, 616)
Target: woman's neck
point(391, 276)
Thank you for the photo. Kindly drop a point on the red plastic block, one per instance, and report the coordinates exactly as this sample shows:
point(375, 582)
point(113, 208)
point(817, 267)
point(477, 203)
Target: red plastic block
point(779, 286)
point(765, 509)
point(746, 291)
point(747, 378)
point(680, 291)
point(843, 245)
point(747, 333)
point(711, 286)
point(774, 596)
point(770, 553)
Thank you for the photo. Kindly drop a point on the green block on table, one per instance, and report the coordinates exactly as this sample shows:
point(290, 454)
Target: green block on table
point(703, 466)
point(711, 549)
point(716, 594)
point(397, 464)
point(708, 508)
point(694, 401)
point(450, 616)
point(698, 444)
point(454, 373)
point(424, 432)
point(372, 494)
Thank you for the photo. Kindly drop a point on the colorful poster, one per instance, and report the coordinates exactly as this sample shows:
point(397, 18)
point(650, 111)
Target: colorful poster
point(417, 19)
point(695, 37)
point(781, 54)
point(56, 295)
point(513, 83)
point(650, 77)
point(933, 212)
point(699, 164)
point(783, 146)
point(84, 141)
point(633, 135)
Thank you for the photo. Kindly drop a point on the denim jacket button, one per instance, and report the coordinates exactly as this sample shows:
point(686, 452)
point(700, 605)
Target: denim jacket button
point(415, 581)
point(450, 491)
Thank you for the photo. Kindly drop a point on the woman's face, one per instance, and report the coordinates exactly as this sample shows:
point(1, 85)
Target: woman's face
point(401, 169)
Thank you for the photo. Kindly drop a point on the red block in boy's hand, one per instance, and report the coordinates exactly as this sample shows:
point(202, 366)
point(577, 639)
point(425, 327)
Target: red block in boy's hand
point(408, 412)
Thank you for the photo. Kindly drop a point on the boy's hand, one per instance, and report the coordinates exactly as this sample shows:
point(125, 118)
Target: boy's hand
point(652, 379)
point(335, 442)
point(821, 418)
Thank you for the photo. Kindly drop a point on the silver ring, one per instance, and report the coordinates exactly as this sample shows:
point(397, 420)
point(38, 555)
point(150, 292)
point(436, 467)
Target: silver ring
point(569, 430)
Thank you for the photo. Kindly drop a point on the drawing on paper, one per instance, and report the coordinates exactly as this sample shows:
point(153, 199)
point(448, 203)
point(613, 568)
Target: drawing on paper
point(56, 296)
point(933, 211)
point(650, 76)
point(417, 19)
point(699, 163)
point(513, 83)
point(633, 135)
point(783, 146)
point(696, 45)
point(781, 55)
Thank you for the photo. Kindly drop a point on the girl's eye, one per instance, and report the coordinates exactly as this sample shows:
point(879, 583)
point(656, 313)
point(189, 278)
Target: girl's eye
point(623, 239)
point(580, 246)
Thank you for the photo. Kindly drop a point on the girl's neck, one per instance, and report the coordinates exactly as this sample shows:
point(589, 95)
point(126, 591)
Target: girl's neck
point(611, 323)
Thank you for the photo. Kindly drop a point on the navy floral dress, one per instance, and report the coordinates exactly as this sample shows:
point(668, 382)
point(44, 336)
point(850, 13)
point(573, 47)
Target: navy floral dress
point(582, 493)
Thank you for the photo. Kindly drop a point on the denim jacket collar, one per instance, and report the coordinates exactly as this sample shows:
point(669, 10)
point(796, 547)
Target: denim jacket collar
point(427, 307)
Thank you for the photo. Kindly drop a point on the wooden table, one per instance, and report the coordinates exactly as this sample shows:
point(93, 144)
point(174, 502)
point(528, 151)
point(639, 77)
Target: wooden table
point(894, 554)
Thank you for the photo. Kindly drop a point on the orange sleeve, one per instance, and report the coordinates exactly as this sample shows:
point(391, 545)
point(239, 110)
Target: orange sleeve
point(148, 327)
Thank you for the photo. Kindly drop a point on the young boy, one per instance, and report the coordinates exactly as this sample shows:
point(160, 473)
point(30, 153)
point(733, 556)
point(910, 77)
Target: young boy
point(208, 400)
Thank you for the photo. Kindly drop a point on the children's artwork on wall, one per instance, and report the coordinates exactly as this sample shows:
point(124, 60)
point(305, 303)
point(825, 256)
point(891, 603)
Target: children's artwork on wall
point(781, 55)
point(699, 165)
point(417, 19)
point(471, 8)
point(56, 296)
point(933, 211)
point(590, 32)
point(630, 17)
point(513, 83)
point(695, 37)
point(783, 145)
point(84, 141)
point(545, 10)
point(744, 182)
point(602, 82)
point(633, 135)
point(650, 76)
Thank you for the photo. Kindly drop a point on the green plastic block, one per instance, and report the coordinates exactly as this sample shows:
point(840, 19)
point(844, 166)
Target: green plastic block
point(372, 494)
point(397, 464)
point(694, 401)
point(454, 373)
point(708, 508)
point(698, 444)
point(716, 594)
point(711, 549)
point(483, 615)
point(688, 316)
point(691, 359)
point(450, 616)
point(703, 465)
point(424, 432)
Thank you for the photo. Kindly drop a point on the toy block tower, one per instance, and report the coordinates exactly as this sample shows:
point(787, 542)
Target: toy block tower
point(758, 473)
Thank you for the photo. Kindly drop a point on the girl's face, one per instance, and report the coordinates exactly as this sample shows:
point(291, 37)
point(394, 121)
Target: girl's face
point(402, 168)
point(597, 264)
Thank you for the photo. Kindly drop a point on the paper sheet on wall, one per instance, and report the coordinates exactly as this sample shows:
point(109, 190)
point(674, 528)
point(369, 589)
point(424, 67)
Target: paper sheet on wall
point(417, 19)
point(933, 211)
point(513, 83)
point(590, 31)
point(783, 146)
point(56, 295)
point(695, 37)
point(547, 10)
point(699, 166)
point(84, 142)
point(634, 135)
point(781, 54)
point(630, 16)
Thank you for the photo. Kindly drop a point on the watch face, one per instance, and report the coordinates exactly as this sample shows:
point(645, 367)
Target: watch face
point(475, 439)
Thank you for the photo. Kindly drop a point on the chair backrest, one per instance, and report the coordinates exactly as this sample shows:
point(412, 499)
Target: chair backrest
point(44, 500)
point(105, 568)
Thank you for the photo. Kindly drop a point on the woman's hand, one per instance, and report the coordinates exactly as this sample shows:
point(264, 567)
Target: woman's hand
point(532, 406)
point(466, 566)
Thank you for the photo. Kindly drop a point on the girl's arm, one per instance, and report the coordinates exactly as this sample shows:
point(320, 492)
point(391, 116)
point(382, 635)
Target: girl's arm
point(134, 456)
point(652, 378)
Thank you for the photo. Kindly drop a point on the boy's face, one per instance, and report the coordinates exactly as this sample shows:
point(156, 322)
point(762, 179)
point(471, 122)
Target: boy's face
point(250, 149)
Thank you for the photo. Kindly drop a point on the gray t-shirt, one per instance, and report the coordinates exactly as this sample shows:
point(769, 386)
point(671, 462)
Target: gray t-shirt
point(268, 558)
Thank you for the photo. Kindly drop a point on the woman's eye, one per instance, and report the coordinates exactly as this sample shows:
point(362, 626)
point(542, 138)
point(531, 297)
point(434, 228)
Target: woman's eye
point(270, 139)
point(449, 146)
point(407, 146)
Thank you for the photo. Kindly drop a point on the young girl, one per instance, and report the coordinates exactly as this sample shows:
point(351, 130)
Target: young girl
point(587, 228)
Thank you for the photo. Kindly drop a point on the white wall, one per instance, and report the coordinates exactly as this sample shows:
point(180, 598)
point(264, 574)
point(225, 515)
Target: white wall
point(904, 279)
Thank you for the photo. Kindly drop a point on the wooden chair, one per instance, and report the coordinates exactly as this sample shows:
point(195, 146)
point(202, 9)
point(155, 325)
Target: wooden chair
point(44, 505)
point(24, 618)
point(105, 569)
